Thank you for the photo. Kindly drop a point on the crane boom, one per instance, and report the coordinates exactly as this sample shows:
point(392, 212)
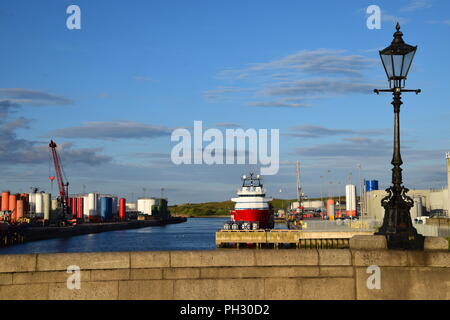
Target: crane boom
point(56, 161)
point(63, 187)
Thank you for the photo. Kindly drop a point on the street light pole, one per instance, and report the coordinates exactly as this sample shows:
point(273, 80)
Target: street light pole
point(397, 225)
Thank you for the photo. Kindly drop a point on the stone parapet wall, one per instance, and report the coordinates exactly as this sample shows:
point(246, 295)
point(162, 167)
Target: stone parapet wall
point(228, 274)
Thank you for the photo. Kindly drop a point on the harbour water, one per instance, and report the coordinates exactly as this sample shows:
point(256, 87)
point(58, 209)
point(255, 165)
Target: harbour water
point(195, 234)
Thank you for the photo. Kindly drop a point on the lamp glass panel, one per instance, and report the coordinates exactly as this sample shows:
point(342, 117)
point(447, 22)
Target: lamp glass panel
point(387, 62)
point(407, 63)
point(398, 63)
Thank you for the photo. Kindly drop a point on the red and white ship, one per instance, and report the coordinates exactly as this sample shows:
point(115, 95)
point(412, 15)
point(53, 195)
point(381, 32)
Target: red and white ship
point(252, 209)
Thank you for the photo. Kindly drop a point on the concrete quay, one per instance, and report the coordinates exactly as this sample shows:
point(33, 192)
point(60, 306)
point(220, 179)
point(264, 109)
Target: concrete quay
point(299, 238)
point(27, 234)
point(229, 275)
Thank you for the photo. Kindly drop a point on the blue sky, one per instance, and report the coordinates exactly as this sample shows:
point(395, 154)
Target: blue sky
point(111, 93)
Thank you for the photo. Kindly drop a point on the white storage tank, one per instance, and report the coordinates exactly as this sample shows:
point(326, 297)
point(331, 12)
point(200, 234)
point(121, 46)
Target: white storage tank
point(131, 206)
point(93, 204)
point(86, 206)
point(350, 199)
point(32, 202)
point(54, 204)
point(39, 203)
point(145, 205)
point(46, 204)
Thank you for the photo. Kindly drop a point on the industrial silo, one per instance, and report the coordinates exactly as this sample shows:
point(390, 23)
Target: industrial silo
point(5, 201)
point(54, 204)
point(92, 202)
point(20, 209)
point(330, 209)
point(350, 199)
point(12, 202)
point(32, 203)
point(106, 208)
point(80, 208)
point(47, 203)
point(144, 205)
point(115, 206)
point(86, 207)
point(39, 205)
point(122, 209)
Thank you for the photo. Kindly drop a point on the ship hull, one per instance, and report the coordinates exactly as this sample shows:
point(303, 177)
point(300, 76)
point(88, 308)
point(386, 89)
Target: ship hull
point(264, 217)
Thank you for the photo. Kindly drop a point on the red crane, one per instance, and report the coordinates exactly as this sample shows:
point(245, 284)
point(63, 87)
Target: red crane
point(63, 187)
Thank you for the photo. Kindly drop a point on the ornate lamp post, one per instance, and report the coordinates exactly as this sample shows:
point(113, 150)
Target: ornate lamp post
point(397, 225)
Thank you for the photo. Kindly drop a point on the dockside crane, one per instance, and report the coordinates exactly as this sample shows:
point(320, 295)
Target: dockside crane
point(66, 216)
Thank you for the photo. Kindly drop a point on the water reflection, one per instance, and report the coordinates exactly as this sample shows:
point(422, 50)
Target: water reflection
point(195, 234)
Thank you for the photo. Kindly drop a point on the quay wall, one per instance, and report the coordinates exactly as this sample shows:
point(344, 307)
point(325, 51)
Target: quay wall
point(228, 275)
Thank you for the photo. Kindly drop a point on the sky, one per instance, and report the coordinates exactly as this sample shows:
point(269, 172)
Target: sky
point(111, 93)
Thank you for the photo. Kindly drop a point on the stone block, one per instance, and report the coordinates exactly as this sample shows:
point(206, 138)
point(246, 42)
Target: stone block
point(146, 290)
point(283, 289)
point(417, 258)
point(287, 257)
point(438, 259)
point(219, 289)
point(328, 289)
point(335, 257)
point(368, 242)
point(336, 272)
point(181, 273)
point(93, 290)
point(86, 261)
point(150, 259)
point(24, 292)
point(17, 263)
point(6, 278)
point(380, 257)
point(47, 277)
point(310, 289)
point(146, 274)
point(404, 283)
point(109, 275)
point(222, 258)
point(435, 243)
point(258, 272)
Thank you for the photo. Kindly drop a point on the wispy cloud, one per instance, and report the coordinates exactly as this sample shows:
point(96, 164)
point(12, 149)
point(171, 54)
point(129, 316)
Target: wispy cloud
point(304, 73)
point(112, 130)
point(313, 131)
point(311, 62)
point(447, 22)
point(319, 86)
point(393, 19)
point(358, 148)
point(15, 150)
point(32, 97)
point(417, 5)
point(282, 103)
point(222, 93)
point(228, 125)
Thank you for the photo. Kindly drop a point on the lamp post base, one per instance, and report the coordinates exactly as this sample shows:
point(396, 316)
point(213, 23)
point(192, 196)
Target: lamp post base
point(404, 241)
point(397, 224)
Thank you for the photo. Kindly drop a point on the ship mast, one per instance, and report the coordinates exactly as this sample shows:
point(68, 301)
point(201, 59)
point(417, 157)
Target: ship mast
point(299, 188)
